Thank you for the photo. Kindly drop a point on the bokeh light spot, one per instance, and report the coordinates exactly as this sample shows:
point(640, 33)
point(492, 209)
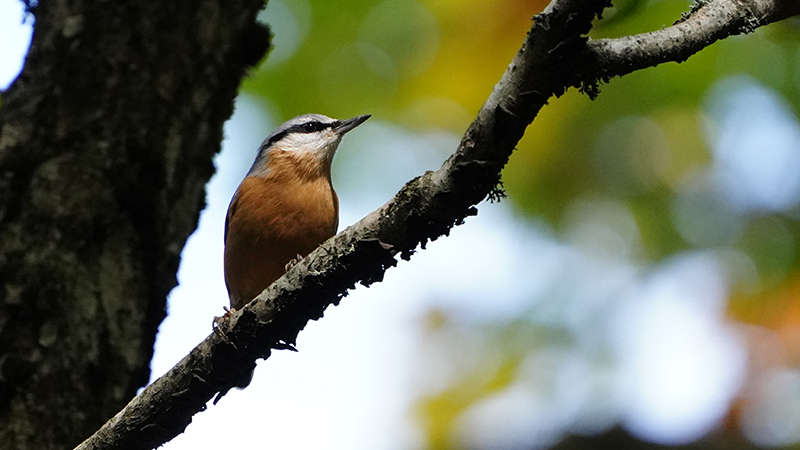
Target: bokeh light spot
point(701, 218)
point(683, 363)
point(631, 155)
point(756, 146)
point(289, 25)
point(517, 418)
point(603, 227)
point(345, 77)
point(405, 32)
point(772, 418)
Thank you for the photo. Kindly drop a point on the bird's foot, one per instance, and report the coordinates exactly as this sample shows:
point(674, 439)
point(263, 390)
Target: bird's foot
point(220, 323)
point(293, 262)
point(219, 320)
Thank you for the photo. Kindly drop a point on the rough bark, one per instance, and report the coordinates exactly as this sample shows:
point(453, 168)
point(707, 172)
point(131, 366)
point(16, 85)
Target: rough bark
point(425, 209)
point(106, 140)
point(105, 144)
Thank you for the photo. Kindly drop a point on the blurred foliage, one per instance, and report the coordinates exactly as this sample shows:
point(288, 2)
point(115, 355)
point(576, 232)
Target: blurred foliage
point(646, 147)
point(566, 152)
point(424, 64)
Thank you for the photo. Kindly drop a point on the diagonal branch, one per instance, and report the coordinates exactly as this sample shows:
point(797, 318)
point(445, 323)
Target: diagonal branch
point(425, 209)
point(708, 22)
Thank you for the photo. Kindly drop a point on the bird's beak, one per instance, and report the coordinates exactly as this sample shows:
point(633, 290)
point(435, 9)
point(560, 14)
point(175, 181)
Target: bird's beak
point(346, 125)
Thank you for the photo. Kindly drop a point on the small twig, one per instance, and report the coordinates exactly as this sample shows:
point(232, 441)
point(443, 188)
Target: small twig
point(706, 23)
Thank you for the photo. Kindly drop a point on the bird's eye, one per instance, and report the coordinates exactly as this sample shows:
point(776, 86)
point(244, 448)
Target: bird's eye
point(310, 127)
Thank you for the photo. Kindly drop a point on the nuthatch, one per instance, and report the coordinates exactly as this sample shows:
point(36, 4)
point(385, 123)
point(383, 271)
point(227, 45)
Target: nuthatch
point(285, 207)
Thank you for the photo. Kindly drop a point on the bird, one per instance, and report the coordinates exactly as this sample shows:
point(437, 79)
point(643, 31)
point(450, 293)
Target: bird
point(285, 207)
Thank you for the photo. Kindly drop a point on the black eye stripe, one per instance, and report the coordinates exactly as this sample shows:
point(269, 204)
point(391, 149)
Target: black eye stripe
point(310, 127)
point(299, 128)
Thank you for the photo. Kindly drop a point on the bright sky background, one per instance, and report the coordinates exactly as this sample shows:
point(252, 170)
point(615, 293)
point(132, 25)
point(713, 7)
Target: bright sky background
point(360, 368)
point(15, 39)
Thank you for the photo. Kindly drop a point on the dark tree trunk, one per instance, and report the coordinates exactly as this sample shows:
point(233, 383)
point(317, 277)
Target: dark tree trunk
point(106, 141)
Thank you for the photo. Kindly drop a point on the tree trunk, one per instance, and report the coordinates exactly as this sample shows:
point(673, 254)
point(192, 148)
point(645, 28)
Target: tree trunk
point(106, 140)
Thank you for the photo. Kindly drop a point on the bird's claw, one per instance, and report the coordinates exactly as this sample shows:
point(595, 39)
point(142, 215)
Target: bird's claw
point(220, 323)
point(293, 262)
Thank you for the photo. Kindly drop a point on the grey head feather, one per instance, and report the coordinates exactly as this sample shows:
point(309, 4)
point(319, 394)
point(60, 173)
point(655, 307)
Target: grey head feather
point(294, 124)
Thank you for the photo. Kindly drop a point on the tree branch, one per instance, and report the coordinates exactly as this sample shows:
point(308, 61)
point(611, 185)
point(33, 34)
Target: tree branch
point(425, 209)
point(708, 22)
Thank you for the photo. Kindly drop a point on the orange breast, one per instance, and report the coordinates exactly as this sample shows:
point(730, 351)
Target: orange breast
point(270, 222)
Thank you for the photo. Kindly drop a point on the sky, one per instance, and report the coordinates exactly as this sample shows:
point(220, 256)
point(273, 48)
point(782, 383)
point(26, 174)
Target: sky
point(360, 369)
point(15, 40)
